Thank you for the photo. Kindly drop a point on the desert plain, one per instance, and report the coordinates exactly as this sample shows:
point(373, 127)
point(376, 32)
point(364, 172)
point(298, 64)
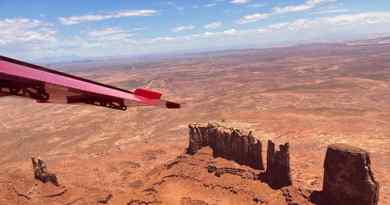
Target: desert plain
point(309, 95)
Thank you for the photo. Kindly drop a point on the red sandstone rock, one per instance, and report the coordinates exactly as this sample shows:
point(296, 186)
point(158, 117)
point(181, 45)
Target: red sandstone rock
point(41, 173)
point(278, 166)
point(198, 138)
point(228, 143)
point(348, 178)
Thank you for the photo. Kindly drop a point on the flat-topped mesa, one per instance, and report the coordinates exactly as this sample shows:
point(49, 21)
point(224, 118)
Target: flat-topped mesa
point(348, 178)
point(228, 143)
point(278, 166)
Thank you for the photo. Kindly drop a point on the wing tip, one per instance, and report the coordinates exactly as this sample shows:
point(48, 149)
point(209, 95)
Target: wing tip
point(172, 105)
point(147, 93)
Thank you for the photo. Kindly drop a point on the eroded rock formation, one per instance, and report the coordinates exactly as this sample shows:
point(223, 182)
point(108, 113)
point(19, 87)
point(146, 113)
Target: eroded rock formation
point(198, 137)
point(202, 179)
point(41, 173)
point(278, 166)
point(243, 173)
point(189, 201)
point(348, 178)
point(228, 143)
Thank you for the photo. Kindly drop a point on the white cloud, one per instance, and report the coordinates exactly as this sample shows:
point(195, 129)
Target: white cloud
point(199, 36)
point(330, 11)
point(213, 25)
point(210, 5)
point(338, 21)
point(240, 1)
point(230, 32)
point(32, 38)
point(21, 30)
point(318, 25)
point(307, 5)
point(110, 34)
point(106, 32)
point(360, 18)
point(297, 31)
point(183, 28)
point(99, 17)
point(253, 18)
point(160, 40)
point(257, 5)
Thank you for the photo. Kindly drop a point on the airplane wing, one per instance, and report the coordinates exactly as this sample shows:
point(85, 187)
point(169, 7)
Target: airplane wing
point(44, 85)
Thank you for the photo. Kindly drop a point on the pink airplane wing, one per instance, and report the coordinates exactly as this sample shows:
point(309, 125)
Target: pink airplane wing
point(49, 86)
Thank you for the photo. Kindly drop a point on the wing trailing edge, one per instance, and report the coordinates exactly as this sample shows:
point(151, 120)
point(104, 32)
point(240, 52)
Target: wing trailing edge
point(18, 78)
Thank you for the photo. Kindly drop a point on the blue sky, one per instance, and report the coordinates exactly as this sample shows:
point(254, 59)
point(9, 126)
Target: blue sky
point(91, 28)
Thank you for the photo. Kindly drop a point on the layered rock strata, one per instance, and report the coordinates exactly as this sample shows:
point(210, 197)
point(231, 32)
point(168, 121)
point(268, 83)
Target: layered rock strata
point(228, 143)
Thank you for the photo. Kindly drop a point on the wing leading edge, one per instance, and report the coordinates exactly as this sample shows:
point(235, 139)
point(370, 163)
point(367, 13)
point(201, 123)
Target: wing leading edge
point(18, 78)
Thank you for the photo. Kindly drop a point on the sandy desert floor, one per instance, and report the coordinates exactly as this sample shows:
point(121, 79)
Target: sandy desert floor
point(310, 96)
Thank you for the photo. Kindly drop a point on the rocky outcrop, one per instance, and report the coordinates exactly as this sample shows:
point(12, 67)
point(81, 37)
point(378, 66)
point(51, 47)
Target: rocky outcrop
point(41, 173)
point(198, 138)
point(228, 143)
point(278, 166)
point(189, 201)
point(348, 178)
point(243, 173)
point(104, 200)
point(202, 179)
